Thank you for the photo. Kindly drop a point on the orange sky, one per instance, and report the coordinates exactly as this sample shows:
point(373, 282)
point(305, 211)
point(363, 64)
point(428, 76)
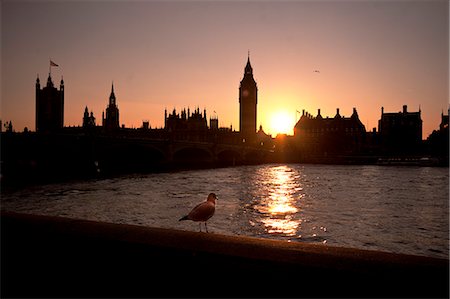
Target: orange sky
point(180, 54)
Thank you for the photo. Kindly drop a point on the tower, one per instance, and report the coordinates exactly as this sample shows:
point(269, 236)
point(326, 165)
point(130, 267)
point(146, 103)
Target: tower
point(248, 99)
point(111, 121)
point(88, 119)
point(49, 106)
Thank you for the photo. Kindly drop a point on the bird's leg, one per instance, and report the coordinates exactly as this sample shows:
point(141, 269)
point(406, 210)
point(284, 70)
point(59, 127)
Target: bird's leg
point(206, 227)
point(200, 224)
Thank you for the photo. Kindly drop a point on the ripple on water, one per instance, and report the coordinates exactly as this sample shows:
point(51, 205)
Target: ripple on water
point(355, 206)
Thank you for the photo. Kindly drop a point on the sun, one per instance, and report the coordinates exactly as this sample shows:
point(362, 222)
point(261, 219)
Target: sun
point(282, 122)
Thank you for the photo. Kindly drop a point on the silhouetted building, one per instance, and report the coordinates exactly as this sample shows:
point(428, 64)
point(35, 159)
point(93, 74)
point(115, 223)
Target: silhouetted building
point(214, 123)
point(438, 141)
point(248, 99)
point(88, 119)
point(111, 121)
point(186, 126)
point(444, 121)
point(318, 136)
point(264, 139)
point(49, 106)
point(401, 132)
point(8, 126)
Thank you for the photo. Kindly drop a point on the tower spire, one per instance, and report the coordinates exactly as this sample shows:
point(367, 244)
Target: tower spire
point(248, 67)
point(112, 97)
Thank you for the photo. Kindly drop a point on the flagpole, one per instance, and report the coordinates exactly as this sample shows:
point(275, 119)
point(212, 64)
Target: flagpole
point(51, 63)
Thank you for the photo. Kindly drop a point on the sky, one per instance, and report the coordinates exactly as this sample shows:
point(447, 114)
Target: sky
point(179, 54)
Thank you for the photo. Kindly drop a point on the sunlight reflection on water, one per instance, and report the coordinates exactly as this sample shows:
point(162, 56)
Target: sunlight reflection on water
point(279, 207)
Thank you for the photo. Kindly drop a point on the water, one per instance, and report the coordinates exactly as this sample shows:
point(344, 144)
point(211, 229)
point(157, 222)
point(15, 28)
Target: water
point(394, 209)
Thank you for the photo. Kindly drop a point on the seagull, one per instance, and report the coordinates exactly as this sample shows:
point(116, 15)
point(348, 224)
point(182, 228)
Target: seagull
point(203, 211)
point(316, 71)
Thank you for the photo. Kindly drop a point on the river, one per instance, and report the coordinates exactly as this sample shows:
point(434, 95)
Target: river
point(386, 208)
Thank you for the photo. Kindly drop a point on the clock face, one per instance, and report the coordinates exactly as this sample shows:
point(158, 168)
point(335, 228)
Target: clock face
point(245, 93)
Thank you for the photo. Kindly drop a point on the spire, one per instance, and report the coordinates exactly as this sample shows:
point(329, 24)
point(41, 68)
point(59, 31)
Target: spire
point(248, 67)
point(49, 81)
point(112, 97)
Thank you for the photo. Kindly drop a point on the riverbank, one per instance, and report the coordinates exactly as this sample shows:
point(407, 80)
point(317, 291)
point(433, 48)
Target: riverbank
point(46, 256)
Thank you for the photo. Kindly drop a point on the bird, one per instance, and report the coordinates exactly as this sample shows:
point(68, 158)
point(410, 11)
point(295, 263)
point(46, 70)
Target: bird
point(316, 71)
point(203, 211)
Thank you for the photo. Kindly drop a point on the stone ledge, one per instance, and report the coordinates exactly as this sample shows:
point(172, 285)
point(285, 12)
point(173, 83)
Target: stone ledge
point(45, 256)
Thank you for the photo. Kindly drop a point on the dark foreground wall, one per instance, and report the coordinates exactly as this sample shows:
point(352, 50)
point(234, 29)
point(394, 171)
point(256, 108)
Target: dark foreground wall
point(59, 257)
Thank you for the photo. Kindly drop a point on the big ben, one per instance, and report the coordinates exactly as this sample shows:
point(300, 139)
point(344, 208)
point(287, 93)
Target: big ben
point(248, 99)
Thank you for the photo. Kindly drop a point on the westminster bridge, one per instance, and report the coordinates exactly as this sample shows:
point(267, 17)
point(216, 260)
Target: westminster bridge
point(34, 155)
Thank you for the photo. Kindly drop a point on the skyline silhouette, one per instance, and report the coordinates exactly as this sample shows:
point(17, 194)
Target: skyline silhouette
point(248, 91)
point(305, 55)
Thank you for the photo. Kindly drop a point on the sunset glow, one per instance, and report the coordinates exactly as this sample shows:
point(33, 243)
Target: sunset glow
point(282, 122)
point(305, 55)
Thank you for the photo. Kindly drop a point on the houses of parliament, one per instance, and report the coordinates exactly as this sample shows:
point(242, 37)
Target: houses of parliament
point(183, 125)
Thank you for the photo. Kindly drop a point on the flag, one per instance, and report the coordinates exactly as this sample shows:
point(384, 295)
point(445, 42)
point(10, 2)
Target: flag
point(53, 64)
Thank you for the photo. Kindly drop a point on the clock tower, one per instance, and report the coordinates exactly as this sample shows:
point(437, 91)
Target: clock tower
point(111, 122)
point(248, 98)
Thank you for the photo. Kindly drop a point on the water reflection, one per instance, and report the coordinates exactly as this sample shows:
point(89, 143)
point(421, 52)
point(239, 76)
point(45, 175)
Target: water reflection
point(279, 210)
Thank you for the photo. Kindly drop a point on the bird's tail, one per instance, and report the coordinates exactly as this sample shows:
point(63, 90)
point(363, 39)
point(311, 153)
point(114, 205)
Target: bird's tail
point(184, 218)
